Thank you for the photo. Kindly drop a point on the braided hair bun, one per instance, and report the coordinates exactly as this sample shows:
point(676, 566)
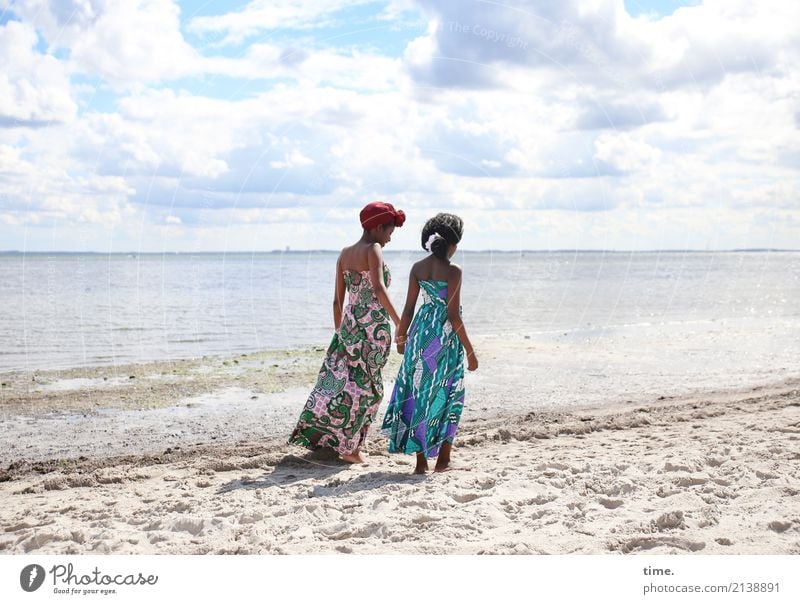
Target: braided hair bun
point(440, 232)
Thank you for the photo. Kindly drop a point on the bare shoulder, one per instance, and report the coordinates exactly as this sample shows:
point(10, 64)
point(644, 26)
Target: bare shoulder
point(345, 252)
point(374, 253)
point(418, 266)
point(454, 271)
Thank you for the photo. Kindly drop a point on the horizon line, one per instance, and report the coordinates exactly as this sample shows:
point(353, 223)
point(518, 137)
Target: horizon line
point(333, 251)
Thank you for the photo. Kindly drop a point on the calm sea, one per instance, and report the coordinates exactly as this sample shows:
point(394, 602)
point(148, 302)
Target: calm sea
point(75, 310)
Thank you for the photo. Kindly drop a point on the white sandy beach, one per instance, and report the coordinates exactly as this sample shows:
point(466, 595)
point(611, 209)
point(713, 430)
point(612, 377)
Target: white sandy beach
point(714, 471)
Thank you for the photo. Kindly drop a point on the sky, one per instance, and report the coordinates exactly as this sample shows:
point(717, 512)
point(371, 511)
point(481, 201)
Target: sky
point(210, 125)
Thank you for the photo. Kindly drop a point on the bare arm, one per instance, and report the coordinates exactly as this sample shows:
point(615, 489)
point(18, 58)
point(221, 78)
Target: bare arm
point(454, 315)
point(375, 260)
point(338, 294)
point(408, 312)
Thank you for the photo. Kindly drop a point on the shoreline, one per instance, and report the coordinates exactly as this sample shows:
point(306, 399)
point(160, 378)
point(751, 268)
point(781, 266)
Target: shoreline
point(552, 423)
point(709, 473)
point(134, 253)
point(149, 407)
point(565, 446)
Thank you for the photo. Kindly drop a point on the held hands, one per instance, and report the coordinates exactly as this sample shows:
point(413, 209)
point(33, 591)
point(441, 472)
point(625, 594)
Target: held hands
point(401, 343)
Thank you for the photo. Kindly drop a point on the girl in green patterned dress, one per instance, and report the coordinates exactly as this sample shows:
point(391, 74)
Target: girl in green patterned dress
point(349, 386)
point(428, 396)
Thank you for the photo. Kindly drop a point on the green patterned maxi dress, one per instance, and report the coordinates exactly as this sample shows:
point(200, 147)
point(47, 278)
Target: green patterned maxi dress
point(349, 386)
point(428, 396)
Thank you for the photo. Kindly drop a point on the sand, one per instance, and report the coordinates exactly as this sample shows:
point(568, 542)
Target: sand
point(169, 462)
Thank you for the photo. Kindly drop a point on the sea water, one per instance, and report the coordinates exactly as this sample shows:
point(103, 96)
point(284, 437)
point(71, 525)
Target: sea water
point(74, 310)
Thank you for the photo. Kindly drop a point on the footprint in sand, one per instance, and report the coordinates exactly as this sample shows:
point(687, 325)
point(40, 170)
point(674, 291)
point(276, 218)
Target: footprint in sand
point(486, 483)
point(424, 519)
point(466, 497)
point(664, 492)
point(779, 526)
point(669, 521)
point(193, 526)
point(382, 503)
point(670, 467)
point(39, 540)
point(157, 538)
point(648, 543)
point(551, 466)
point(690, 481)
point(251, 517)
point(341, 531)
point(541, 499)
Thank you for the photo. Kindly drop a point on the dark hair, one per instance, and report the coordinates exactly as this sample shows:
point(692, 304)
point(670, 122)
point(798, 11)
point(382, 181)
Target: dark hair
point(449, 227)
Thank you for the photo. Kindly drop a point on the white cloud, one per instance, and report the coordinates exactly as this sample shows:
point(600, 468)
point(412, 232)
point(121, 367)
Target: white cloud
point(137, 40)
point(61, 22)
point(293, 159)
point(131, 43)
point(12, 163)
point(557, 124)
point(264, 15)
point(598, 42)
point(34, 88)
point(342, 68)
point(124, 42)
point(624, 152)
point(701, 45)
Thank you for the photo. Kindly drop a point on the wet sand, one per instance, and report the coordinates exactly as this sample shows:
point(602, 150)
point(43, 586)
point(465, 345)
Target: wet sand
point(181, 459)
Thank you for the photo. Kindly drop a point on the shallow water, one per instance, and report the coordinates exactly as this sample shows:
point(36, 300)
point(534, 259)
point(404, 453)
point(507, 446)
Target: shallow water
point(78, 310)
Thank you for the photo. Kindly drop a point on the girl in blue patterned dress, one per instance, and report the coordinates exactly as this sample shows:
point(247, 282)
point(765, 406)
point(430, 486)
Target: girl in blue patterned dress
point(428, 397)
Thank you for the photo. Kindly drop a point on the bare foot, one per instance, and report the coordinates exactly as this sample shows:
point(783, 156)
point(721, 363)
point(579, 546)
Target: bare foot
point(443, 461)
point(422, 464)
point(352, 458)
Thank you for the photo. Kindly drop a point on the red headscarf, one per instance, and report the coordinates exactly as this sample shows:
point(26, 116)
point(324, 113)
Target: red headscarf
point(378, 212)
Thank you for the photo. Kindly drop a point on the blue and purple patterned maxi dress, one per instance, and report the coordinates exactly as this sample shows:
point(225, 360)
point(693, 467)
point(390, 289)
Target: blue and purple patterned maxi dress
point(428, 397)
